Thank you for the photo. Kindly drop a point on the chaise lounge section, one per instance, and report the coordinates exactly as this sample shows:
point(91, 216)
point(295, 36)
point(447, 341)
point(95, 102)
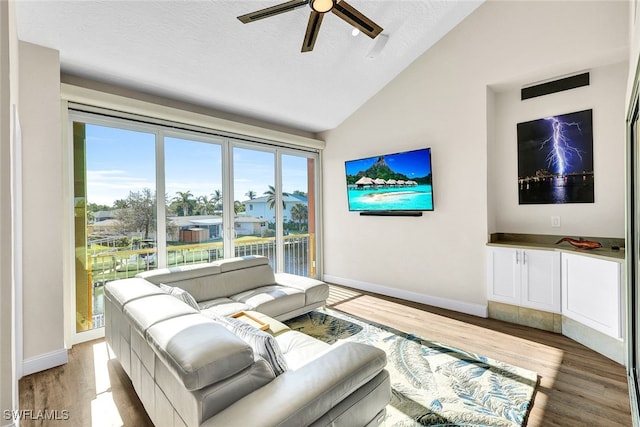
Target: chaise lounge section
point(196, 366)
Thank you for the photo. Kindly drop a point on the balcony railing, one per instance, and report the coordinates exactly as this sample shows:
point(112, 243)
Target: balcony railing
point(113, 264)
point(98, 320)
point(110, 265)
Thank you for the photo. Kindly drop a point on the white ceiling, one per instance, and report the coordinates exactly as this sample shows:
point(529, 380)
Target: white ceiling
point(197, 51)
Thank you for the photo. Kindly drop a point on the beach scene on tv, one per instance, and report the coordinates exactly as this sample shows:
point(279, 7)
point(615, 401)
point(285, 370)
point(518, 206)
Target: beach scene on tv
point(391, 182)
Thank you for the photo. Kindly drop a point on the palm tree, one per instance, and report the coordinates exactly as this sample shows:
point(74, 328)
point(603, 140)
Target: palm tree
point(271, 197)
point(216, 199)
point(299, 212)
point(206, 204)
point(251, 194)
point(184, 198)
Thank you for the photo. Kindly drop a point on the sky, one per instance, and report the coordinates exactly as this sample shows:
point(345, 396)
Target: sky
point(120, 161)
point(413, 164)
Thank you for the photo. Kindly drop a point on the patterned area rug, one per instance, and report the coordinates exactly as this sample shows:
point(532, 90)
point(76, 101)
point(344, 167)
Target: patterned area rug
point(433, 384)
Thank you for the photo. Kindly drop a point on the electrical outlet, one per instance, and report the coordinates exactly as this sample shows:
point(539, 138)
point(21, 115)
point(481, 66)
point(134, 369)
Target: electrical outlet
point(555, 221)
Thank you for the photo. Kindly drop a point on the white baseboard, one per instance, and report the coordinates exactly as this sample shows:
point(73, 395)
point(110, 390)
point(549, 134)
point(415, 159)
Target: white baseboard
point(449, 304)
point(44, 361)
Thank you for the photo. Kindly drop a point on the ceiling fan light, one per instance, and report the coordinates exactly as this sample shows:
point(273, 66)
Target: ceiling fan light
point(322, 6)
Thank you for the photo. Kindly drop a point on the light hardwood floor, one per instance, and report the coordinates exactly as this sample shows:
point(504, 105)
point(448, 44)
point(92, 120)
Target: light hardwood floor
point(577, 386)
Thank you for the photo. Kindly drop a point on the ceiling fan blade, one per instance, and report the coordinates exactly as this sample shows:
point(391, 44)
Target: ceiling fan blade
point(354, 17)
point(313, 28)
point(273, 10)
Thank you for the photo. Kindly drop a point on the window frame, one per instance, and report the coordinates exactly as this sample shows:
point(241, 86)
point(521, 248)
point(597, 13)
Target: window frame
point(100, 108)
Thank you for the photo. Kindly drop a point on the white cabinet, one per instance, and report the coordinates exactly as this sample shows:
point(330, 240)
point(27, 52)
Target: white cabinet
point(525, 277)
point(591, 293)
point(504, 276)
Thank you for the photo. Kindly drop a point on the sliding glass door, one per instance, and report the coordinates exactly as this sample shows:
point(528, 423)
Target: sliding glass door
point(151, 196)
point(254, 229)
point(277, 224)
point(114, 212)
point(194, 202)
point(633, 254)
point(299, 224)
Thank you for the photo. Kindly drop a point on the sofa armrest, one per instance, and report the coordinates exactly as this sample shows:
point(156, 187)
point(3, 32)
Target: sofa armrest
point(298, 282)
point(299, 397)
point(315, 290)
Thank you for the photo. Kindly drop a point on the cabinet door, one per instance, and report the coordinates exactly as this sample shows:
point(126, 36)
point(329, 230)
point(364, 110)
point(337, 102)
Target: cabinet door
point(504, 275)
point(541, 280)
point(591, 293)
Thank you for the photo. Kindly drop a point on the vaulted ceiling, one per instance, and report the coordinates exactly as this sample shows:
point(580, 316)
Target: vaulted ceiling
point(197, 51)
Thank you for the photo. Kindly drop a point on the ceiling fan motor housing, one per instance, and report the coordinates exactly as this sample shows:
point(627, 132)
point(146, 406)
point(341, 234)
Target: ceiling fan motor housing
point(322, 6)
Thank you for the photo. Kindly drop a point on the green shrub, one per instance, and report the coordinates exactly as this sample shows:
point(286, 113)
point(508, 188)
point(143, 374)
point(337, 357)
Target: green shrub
point(268, 233)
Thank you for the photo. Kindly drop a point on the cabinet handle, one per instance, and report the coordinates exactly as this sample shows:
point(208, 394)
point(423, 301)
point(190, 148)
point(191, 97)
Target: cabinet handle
point(524, 258)
point(517, 257)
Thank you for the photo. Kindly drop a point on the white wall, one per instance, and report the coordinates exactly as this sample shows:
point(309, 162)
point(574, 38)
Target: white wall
point(8, 98)
point(43, 317)
point(603, 218)
point(441, 101)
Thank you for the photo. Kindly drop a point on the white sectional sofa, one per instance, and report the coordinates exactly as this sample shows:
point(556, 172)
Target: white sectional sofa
point(246, 283)
point(194, 366)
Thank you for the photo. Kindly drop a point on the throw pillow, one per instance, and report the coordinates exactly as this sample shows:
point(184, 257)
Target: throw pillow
point(263, 344)
point(181, 294)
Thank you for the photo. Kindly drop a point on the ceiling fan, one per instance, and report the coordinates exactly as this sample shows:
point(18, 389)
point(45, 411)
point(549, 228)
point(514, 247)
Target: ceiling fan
point(318, 8)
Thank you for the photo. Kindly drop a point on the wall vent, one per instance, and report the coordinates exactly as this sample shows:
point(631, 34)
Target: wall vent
point(554, 86)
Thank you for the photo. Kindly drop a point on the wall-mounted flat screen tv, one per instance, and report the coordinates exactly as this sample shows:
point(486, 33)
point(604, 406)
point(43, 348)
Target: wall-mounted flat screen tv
point(391, 182)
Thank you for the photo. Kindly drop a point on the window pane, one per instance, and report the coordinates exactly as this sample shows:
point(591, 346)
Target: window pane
point(193, 184)
point(115, 212)
point(299, 219)
point(254, 192)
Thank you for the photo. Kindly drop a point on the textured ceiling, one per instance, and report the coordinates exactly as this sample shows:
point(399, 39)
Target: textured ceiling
point(197, 51)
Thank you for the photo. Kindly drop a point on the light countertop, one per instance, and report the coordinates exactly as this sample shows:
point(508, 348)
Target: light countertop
point(548, 242)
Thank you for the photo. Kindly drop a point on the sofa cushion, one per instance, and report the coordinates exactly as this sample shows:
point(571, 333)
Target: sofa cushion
point(272, 300)
point(181, 294)
point(222, 307)
point(299, 348)
point(195, 406)
point(203, 281)
point(198, 350)
point(262, 343)
point(241, 280)
point(177, 274)
point(238, 263)
point(146, 312)
point(125, 290)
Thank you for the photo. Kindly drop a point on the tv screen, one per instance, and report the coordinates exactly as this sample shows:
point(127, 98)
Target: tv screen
point(391, 182)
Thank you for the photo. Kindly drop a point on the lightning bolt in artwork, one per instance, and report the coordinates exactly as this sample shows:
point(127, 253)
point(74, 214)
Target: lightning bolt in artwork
point(555, 159)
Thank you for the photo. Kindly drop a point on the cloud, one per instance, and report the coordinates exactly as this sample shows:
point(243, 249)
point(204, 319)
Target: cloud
point(107, 186)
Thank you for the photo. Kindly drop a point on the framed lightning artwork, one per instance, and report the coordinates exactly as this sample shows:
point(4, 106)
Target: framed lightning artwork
point(555, 159)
